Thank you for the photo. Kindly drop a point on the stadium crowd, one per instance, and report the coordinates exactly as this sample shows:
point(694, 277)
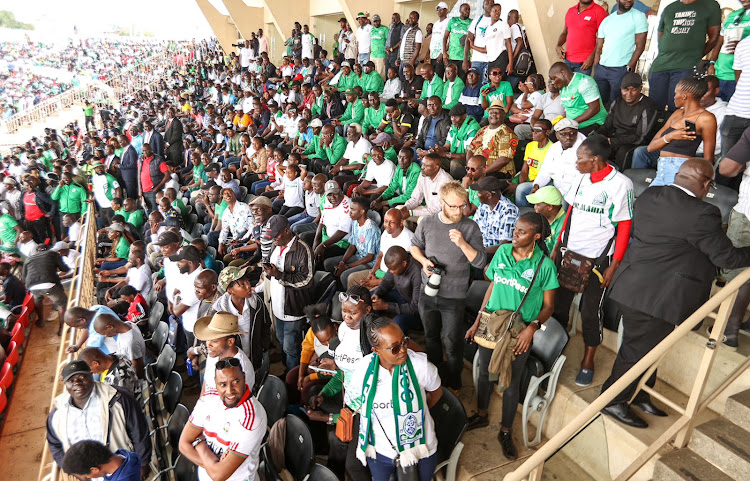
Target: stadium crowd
point(326, 209)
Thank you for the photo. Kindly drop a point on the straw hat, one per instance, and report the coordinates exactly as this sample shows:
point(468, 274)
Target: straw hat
point(221, 324)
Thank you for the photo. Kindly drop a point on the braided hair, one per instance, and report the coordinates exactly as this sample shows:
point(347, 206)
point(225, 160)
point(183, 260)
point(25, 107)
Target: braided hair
point(317, 316)
point(696, 87)
point(541, 226)
point(369, 331)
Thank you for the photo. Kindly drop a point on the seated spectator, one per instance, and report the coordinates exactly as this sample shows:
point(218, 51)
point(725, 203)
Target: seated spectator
point(397, 295)
point(453, 87)
point(314, 188)
point(374, 114)
point(332, 146)
point(184, 303)
point(462, 132)
point(580, 97)
point(532, 90)
point(549, 108)
point(235, 223)
point(292, 196)
point(26, 244)
point(315, 347)
point(364, 239)
point(437, 125)
point(475, 171)
point(677, 140)
point(378, 175)
point(138, 277)
point(496, 215)
point(399, 123)
point(353, 114)
point(332, 235)
point(40, 274)
point(168, 211)
point(118, 420)
point(91, 460)
point(392, 87)
point(547, 201)
point(14, 292)
point(128, 338)
point(347, 170)
point(470, 95)
point(253, 164)
point(137, 308)
point(132, 214)
point(496, 143)
point(115, 370)
point(120, 248)
point(176, 203)
point(559, 164)
point(533, 159)
point(497, 92)
point(426, 191)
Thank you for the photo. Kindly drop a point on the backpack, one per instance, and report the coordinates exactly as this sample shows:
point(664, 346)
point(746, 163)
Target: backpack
point(525, 61)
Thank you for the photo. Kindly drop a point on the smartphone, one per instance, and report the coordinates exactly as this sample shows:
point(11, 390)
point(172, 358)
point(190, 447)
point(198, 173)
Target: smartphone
point(690, 126)
point(324, 371)
point(266, 265)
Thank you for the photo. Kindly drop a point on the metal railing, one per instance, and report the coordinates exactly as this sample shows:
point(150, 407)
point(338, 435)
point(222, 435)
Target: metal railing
point(682, 428)
point(81, 293)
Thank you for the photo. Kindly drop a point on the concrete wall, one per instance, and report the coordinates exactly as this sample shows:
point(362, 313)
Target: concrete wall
point(222, 25)
point(246, 19)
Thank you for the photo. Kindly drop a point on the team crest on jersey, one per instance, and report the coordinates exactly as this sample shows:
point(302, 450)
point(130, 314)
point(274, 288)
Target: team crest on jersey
point(600, 200)
point(226, 427)
point(528, 274)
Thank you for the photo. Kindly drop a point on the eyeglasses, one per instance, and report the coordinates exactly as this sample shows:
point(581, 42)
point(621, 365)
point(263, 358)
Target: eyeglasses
point(495, 73)
point(227, 362)
point(396, 348)
point(454, 207)
point(471, 169)
point(713, 181)
point(353, 298)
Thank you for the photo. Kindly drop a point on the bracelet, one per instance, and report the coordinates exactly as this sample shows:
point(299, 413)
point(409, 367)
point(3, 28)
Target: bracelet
point(330, 419)
point(664, 138)
point(198, 441)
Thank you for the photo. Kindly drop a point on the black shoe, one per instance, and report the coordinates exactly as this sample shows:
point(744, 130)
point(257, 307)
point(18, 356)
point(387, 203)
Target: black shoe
point(476, 421)
point(625, 415)
point(506, 442)
point(649, 408)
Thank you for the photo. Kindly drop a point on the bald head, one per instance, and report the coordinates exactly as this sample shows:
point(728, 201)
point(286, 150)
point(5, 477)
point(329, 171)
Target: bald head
point(695, 175)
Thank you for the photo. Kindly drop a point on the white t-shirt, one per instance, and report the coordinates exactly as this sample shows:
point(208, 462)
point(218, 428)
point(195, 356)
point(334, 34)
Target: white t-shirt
point(404, 239)
point(312, 204)
point(131, 344)
point(355, 152)
point(239, 429)
point(139, 278)
point(100, 189)
point(171, 278)
point(551, 107)
point(363, 38)
point(494, 38)
point(598, 207)
point(533, 98)
point(515, 35)
point(27, 249)
point(382, 406)
point(418, 38)
point(307, 45)
point(246, 54)
point(347, 354)
point(294, 193)
point(436, 40)
point(380, 174)
point(479, 28)
point(209, 374)
point(337, 218)
point(560, 166)
point(74, 231)
point(188, 298)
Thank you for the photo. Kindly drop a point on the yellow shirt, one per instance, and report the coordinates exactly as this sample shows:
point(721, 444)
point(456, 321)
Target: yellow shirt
point(534, 157)
point(186, 108)
point(243, 122)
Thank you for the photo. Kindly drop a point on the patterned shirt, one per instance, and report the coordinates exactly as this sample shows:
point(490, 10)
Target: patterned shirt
point(237, 223)
point(502, 144)
point(366, 239)
point(497, 223)
point(121, 374)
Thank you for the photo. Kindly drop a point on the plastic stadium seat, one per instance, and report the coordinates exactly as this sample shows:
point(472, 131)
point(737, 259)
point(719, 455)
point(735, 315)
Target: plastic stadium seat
point(172, 392)
point(321, 473)
point(18, 334)
point(159, 338)
point(272, 396)
point(25, 318)
point(299, 458)
point(12, 354)
point(28, 302)
point(641, 178)
point(3, 400)
point(6, 376)
point(724, 198)
point(450, 423)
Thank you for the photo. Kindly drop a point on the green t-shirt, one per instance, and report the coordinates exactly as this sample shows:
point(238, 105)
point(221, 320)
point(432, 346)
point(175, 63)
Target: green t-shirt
point(378, 37)
point(458, 29)
point(7, 230)
point(575, 97)
point(503, 91)
point(391, 153)
point(473, 197)
point(219, 209)
point(88, 111)
point(684, 28)
point(179, 205)
point(732, 35)
point(511, 280)
point(123, 248)
point(134, 218)
point(199, 173)
point(555, 228)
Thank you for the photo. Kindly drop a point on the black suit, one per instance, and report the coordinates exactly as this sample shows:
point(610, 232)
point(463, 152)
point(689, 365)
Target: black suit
point(156, 141)
point(667, 272)
point(173, 136)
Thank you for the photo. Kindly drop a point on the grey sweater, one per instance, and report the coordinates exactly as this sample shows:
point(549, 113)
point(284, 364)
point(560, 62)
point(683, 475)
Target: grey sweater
point(432, 238)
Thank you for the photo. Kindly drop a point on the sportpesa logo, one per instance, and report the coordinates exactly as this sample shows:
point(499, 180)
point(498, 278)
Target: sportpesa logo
point(510, 282)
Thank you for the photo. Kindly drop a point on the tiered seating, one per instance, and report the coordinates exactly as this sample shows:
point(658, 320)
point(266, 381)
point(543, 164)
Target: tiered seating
point(19, 337)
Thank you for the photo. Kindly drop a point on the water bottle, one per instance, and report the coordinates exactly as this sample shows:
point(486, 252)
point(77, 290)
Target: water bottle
point(189, 366)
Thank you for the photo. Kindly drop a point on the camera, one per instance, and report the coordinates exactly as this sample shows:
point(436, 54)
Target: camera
point(433, 282)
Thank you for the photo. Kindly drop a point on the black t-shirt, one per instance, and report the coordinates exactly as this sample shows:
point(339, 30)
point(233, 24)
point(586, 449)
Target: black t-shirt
point(14, 291)
point(413, 89)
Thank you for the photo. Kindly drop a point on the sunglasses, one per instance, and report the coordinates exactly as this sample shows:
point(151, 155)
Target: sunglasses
point(227, 362)
point(495, 73)
point(396, 348)
point(354, 299)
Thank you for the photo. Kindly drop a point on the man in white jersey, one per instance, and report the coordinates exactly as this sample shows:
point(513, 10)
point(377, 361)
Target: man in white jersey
point(226, 428)
point(737, 114)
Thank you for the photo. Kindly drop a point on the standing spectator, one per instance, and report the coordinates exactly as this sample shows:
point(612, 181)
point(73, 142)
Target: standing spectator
point(185, 302)
point(9, 228)
point(579, 36)
point(42, 279)
point(105, 187)
point(152, 176)
point(597, 227)
point(88, 113)
point(153, 138)
point(263, 46)
point(455, 35)
point(393, 42)
point(173, 137)
point(496, 215)
point(91, 459)
point(115, 370)
point(736, 28)
point(447, 240)
point(476, 38)
point(580, 97)
point(683, 28)
point(621, 39)
point(737, 114)
point(71, 198)
point(378, 40)
point(129, 167)
point(363, 39)
point(438, 53)
point(497, 40)
point(38, 210)
point(411, 44)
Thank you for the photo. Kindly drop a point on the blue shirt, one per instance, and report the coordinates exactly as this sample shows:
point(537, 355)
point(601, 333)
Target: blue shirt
point(366, 239)
point(210, 263)
point(95, 339)
point(137, 143)
point(470, 98)
point(497, 223)
point(431, 140)
point(129, 470)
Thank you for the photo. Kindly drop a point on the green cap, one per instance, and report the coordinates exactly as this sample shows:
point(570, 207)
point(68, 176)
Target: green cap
point(350, 92)
point(548, 195)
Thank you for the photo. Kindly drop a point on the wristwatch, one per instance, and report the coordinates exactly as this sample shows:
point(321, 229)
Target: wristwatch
point(198, 441)
point(539, 325)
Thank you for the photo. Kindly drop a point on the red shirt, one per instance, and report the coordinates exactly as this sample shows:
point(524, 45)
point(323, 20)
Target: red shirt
point(146, 184)
point(582, 28)
point(32, 211)
point(138, 311)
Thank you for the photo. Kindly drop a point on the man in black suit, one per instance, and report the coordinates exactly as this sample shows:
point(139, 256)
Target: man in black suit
point(678, 242)
point(153, 138)
point(173, 137)
point(129, 167)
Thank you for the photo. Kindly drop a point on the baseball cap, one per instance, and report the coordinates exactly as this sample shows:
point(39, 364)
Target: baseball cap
point(213, 167)
point(361, 15)
point(441, 6)
point(375, 17)
point(170, 222)
point(473, 70)
point(566, 123)
point(316, 123)
point(631, 79)
point(345, 64)
point(261, 200)
point(490, 184)
point(381, 138)
point(97, 163)
point(167, 237)
point(332, 187)
point(276, 224)
point(458, 109)
point(74, 367)
point(116, 228)
point(187, 253)
point(231, 274)
point(350, 92)
point(548, 195)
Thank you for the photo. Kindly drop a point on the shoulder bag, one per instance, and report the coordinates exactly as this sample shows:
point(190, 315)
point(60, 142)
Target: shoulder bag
point(525, 61)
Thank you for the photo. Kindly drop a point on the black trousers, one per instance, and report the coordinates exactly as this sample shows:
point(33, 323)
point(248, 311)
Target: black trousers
point(591, 308)
point(40, 229)
point(438, 67)
point(343, 456)
point(641, 333)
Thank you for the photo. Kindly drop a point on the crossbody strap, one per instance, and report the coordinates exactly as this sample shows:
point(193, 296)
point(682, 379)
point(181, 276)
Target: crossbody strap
point(566, 232)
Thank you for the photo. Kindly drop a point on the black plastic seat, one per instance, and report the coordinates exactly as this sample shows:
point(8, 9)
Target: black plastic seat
point(273, 397)
point(450, 423)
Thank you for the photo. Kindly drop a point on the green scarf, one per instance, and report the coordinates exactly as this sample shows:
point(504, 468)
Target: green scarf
point(408, 408)
point(457, 144)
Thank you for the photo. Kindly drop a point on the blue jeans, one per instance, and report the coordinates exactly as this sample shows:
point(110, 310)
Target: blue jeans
point(609, 80)
point(232, 161)
point(443, 321)
point(666, 170)
point(482, 68)
point(108, 266)
point(643, 159)
point(576, 67)
point(521, 192)
point(662, 85)
point(299, 219)
point(731, 130)
point(726, 89)
point(289, 334)
point(259, 184)
point(363, 58)
point(405, 321)
point(383, 468)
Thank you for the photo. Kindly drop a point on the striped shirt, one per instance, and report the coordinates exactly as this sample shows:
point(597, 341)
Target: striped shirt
point(239, 430)
point(739, 104)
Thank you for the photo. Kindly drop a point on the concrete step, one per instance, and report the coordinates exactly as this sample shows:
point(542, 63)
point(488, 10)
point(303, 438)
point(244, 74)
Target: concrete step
point(737, 409)
point(685, 465)
point(725, 445)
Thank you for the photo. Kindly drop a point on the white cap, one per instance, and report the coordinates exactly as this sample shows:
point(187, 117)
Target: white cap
point(316, 123)
point(59, 246)
point(566, 123)
point(441, 5)
point(345, 64)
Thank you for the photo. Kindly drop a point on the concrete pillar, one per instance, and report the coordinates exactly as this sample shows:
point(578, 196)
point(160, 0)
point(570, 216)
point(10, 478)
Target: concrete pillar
point(247, 19)
point(284, 14)
point(222, 25)
point(351, 8)
point(544, 21)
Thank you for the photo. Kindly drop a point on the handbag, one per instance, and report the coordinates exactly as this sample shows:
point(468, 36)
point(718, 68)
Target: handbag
point(345, 422)
point(525, 61)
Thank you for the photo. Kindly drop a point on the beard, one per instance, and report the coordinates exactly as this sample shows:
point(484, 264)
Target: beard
point(624, 8)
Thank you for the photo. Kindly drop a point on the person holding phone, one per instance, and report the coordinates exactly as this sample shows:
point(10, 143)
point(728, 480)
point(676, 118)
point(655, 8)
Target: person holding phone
point(688, 127)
